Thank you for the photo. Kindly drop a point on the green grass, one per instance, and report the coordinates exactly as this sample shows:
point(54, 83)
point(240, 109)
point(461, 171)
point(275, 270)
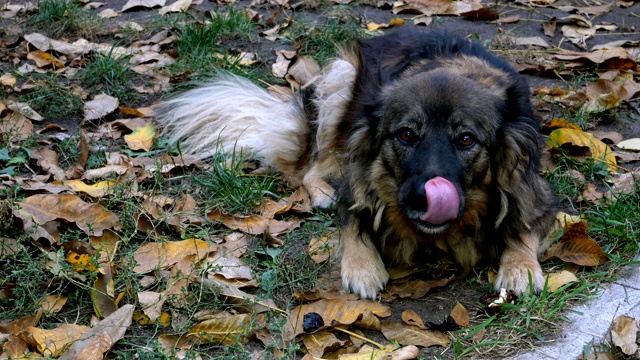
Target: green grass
point(68, 154)
point(51, 98)
point(530, 319)
point(322, 40)
point(200, 44)
point(109, 73)
point(229, 188)
point(57, 17)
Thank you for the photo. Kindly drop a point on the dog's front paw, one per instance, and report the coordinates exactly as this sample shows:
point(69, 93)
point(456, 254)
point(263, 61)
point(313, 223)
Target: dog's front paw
point(323, 197)
point(514, 275)
point(365, 278)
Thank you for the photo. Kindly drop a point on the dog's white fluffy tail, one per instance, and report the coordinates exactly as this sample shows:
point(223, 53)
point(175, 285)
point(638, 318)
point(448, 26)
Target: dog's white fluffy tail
point(233, 114)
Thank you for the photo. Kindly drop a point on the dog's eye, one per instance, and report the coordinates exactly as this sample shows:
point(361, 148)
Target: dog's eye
point(406, 135)
point(466, 140)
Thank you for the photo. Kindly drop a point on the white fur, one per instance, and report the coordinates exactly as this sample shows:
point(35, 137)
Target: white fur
point(233, 114)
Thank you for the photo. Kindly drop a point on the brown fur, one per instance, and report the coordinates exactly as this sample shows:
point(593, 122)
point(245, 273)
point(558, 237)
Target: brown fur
point(435, 91)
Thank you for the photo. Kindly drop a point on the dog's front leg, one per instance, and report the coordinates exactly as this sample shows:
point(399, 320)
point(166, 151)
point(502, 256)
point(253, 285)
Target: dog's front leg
point(518, 260)
point(363, 271)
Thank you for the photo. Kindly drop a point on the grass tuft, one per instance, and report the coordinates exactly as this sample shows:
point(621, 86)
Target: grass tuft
point(230, 189)
point(57, 17)
point(109, 73)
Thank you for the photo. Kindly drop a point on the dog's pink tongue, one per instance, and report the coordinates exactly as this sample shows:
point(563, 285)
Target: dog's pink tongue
point(442, 201)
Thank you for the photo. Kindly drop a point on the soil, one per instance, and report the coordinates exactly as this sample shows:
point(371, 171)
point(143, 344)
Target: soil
point(437, 304)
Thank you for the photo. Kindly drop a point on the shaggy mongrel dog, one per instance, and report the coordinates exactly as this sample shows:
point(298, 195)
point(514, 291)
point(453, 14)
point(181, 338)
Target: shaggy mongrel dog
point(430, 139)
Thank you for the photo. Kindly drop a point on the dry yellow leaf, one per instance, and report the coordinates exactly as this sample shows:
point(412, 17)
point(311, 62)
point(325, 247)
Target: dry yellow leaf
point(624, 334)
point(394, 22)
point(53, 303)
point(336, 311)
point(557, 279)
point(47, 207)
point(158, 255)
point(599, 150)
point(53, 342)
point(369, 353)
point(7, 79)
point(141, 138)
point(230, 330)
point(96, 190)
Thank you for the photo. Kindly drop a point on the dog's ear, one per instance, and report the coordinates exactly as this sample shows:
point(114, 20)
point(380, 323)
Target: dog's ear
point(516, 157)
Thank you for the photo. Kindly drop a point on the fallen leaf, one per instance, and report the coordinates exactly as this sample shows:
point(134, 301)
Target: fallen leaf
point(321, 342)
point(141, 138)
point(410, 317)
point(240, 299)
point(142, 3)
point(394, 22)
point(557, 279)
point(52, 303)
point(460, 315)
point(624, 334)
point(53, 342)
point(228, 330)
point(153, 256)
point(599, 150)
point(369, 353)
point(23, 109)
point(178, 6)
point(416, 289)
point(411, 335)
point(101, 337)
point(576, 247)
point(93, 219)
point(304, 69)
point(96, 190)
point(630, 144)
point(101, 106)
point(335, 311)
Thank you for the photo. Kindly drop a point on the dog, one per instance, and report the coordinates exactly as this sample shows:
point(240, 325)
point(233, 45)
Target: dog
point(422, 141)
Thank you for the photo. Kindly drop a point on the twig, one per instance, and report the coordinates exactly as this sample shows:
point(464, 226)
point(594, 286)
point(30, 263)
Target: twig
point(380, 346)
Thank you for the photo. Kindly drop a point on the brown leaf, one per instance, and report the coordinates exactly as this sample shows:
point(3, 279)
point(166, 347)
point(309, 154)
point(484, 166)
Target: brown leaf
point(304, 69)
point(322, 249)
point(229, 330)
point(576, 247)
point(410, 317)
point(53, 342)
point(411, 335)
point(255, 224)
point(316, 295)
point(44, 59)
point(101, 337)
point(47, 159)
point(333, 312)
point(15, 127)
point(53, 303)
point(624, 333)
point(242, 300)
point(101, 106)
point(486, 14)
point(416, 289)
point(93, 219)
point(557, 279)
point(321, 342)
point(368, 321)
point(460, 315)
point(153, 256)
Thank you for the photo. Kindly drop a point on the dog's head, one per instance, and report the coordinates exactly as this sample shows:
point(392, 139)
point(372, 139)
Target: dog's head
point(443, 136)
